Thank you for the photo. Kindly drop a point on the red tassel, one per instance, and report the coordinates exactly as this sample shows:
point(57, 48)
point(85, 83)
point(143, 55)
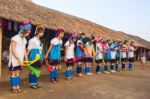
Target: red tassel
point(49, 67)
point(75, 60)
point(81, 48)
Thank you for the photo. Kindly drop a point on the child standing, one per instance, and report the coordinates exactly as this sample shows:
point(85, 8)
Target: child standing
point(17, 53)
point(89, 53)
point(69, 56)
point(80, 53)
point(118, 55)
point(54, 54)
point(35, 47)
point(113, 48)
point(131, 51)
point(124, 48)
point(107, 55)
point(143, 61)
point(99, 54)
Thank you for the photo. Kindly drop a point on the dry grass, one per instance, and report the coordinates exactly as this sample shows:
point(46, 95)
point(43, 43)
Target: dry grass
point(19, 10)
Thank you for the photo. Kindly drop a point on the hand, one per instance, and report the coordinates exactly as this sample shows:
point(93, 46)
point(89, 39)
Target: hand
point(59, 67)
point(65, 59)
point(46, 56)
point(94, 55)
point(26, 59)
point(20, 62)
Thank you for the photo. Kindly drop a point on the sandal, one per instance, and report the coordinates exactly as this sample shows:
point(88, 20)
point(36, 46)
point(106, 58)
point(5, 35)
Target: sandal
point(13, 90)
point(34, 87)
point(38, 85)
point(53, 80)
point(57, 80)
point(19, 90)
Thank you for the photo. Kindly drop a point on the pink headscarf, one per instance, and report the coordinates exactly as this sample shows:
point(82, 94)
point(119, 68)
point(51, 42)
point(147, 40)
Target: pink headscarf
point(25, 26)
point(98, 39)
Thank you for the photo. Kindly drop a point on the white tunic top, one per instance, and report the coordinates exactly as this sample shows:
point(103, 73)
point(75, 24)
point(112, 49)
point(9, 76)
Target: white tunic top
point(131, 52)
point(55, 52)
point(55, 41)
point(113, 54)
point(143, 59)
point(123, 54)
point(20, 50)
point(99, 49)
point(70, 51)
point(35, 43)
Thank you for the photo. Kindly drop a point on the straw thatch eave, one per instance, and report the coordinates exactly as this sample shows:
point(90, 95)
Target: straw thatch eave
point(19, 10)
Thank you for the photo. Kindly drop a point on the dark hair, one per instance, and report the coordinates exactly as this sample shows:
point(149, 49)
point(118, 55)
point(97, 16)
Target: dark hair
point(86, 39)
point(126, 41)
point(40, 30)
point(107, 41)
point(37, 32)
point(82, 34)
point(57, 33)
point(114, 41)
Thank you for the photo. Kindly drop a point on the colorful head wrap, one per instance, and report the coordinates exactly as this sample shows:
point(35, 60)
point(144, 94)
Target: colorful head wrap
point(99, 38)
point(39, 27)
point(126, 41)
point(72, 37)
point(60, 29)
point(25, 26)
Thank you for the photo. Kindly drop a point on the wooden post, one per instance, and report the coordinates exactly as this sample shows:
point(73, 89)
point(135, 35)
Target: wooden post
point(0, 47)
point(139, 53)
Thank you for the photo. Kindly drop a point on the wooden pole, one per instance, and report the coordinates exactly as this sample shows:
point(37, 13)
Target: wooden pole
point(0, 48)
point(139, 53)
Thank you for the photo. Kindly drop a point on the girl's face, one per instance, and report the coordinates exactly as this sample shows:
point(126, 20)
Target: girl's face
point(74, 40)
point(41, 34)
point(61, 35)
point(114, 42)
point(26, 33)
point(83, 36)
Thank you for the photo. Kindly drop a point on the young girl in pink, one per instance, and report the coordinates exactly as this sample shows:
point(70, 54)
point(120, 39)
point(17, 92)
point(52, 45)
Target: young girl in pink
point(99, 54)
point(70, 56)
point(143, 61)
point(131, 51)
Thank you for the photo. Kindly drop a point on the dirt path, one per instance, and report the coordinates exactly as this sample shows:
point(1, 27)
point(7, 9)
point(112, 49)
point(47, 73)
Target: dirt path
point(121, 85)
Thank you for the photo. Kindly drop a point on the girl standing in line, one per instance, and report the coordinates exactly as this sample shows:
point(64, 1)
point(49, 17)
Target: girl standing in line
point(99, 54)
point(89, 53)
point(80, 53)
point(35, 47)
point(17, 53)
point(54, 54)
point(107, 55)
point(70, 56)
point(131, 50)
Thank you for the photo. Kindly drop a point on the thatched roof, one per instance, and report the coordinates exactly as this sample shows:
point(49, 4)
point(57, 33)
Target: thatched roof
point(142, 41)
point(19, 10)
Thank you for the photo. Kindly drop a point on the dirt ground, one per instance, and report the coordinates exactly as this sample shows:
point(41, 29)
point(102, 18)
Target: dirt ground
point(121, 85)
